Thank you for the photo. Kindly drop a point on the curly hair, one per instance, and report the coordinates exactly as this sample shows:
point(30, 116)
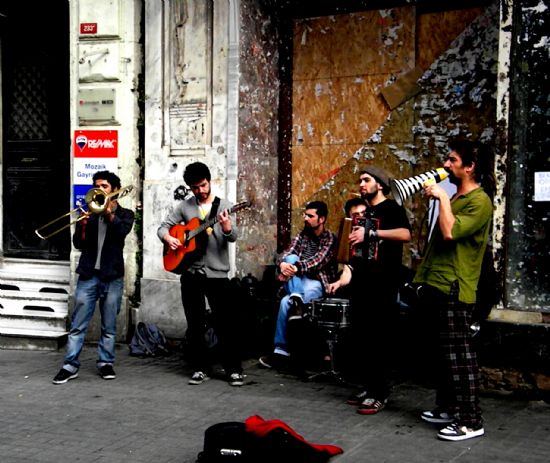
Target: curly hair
point(113, 179)
point(195, 172)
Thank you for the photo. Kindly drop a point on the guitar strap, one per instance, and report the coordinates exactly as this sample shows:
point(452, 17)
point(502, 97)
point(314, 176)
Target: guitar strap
point(214, 209)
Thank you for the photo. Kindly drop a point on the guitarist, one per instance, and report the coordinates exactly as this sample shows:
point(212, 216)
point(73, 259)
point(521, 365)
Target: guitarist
point(205, 275)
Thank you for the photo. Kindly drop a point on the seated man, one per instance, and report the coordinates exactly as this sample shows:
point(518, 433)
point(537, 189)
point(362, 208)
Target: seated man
point(306, 268)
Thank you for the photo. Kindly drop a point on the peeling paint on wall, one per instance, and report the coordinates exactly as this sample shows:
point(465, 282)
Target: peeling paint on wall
point(457, 98)
point(528, 246)
point(258, 155)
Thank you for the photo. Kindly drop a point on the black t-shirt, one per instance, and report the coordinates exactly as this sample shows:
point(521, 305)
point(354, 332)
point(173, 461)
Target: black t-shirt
point(388, 215)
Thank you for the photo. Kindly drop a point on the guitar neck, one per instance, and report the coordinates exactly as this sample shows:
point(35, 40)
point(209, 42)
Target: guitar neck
point(212, 221)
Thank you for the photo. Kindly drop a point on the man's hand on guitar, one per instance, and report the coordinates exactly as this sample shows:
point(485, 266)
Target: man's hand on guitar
point(225, 221)
point(172, 242)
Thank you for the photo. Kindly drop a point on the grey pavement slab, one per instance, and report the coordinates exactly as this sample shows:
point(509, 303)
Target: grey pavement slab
point(150, 414)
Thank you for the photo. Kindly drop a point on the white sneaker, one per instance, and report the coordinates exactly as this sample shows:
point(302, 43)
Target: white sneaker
point(236, 379)
point(455, 432)
point(198, 378)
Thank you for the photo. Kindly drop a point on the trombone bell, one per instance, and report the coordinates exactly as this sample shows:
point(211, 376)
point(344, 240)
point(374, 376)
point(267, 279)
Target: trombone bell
point(96, 200)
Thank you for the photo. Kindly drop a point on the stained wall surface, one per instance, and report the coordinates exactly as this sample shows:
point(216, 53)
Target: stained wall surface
point(342, 122)
point(258, 126)
point(528, 270)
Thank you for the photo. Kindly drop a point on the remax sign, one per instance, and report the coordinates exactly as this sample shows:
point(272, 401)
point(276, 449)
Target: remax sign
point(93, 150)
point(95, 144)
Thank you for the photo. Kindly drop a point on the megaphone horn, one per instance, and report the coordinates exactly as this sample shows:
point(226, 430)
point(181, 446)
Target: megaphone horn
point(402, 189)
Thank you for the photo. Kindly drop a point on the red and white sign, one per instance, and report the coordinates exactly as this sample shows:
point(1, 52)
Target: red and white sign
point(88, 28)
point(95, 144)
point(93, 150)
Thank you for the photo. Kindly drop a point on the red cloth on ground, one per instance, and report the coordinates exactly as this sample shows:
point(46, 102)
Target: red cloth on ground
point(260, 427)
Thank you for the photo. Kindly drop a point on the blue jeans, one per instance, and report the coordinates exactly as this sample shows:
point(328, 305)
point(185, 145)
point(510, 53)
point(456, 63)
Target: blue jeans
point(86, 295)
point(303, 287)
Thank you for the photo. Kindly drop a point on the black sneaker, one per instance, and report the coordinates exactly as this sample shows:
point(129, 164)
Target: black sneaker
point(107, 372)
point(437, 416)
point(371, 406)
point(357, 398)
point(198, 378)
point(276, 361)
point(63, 376)
point(456, 432)
point(296, 308)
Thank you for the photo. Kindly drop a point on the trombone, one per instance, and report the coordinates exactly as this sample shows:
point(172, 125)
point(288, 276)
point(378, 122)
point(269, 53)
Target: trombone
point(96, 200)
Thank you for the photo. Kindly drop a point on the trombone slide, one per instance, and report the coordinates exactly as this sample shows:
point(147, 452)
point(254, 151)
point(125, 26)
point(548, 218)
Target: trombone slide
point(55, 231)
point(96, 200)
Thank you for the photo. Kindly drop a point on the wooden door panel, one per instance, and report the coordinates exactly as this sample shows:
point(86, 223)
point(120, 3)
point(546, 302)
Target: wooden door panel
point(36, 143)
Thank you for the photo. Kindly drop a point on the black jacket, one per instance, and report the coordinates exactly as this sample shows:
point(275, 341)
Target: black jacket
point(112, 261)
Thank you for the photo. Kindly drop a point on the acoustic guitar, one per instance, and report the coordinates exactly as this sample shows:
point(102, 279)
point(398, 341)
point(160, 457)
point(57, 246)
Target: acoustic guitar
point(193, 236)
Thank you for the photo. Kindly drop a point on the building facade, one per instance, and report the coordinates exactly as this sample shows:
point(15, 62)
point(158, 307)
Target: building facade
point(285, 101)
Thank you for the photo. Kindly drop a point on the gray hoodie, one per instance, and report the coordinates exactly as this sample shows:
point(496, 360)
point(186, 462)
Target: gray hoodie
point(215, 261)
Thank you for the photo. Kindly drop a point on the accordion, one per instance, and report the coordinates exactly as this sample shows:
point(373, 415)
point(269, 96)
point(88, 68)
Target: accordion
point(367, 250)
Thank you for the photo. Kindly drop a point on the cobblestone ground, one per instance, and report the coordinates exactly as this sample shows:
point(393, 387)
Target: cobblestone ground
point(150, 414)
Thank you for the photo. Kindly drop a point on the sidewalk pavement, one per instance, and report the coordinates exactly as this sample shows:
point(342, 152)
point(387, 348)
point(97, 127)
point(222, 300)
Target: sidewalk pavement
point(150, 414)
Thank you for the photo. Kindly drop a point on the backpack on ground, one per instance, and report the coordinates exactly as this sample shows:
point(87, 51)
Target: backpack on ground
point(148, 341)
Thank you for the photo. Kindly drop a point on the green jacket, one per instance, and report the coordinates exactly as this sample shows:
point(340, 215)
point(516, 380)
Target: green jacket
point(460, 258)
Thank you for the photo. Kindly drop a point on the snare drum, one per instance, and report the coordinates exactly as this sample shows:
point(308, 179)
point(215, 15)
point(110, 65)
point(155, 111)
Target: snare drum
point(330, 312)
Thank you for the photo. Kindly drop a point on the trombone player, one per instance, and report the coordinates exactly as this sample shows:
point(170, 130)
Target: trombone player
point(100, 236)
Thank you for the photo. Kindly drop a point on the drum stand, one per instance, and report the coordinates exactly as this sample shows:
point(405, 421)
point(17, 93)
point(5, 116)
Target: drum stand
point(331, 340)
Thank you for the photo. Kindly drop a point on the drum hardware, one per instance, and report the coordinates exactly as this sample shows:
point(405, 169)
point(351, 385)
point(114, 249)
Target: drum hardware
point(330, 312)
point(332, 315)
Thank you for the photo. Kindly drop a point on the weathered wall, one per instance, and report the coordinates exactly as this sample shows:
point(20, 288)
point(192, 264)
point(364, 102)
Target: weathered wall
point(187, 119)
point(528, 245)
point(340, 65)
point(119, 69)
point(456, 97)
point(258, 126)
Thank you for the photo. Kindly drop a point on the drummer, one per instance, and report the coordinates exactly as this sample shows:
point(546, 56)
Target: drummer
point(373, 273)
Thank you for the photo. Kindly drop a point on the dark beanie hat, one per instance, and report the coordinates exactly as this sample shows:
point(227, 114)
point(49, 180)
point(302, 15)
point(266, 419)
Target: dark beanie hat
point(381, 176)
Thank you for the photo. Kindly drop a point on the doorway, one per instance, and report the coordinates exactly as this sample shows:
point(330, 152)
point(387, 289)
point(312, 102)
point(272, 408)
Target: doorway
point(35, 126)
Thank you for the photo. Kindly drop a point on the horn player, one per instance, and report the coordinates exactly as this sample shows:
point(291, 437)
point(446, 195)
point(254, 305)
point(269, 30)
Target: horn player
point(100, 270)
point(449, 276)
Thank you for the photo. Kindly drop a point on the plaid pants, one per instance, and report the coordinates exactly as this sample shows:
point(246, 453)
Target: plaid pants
point(457, 367)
